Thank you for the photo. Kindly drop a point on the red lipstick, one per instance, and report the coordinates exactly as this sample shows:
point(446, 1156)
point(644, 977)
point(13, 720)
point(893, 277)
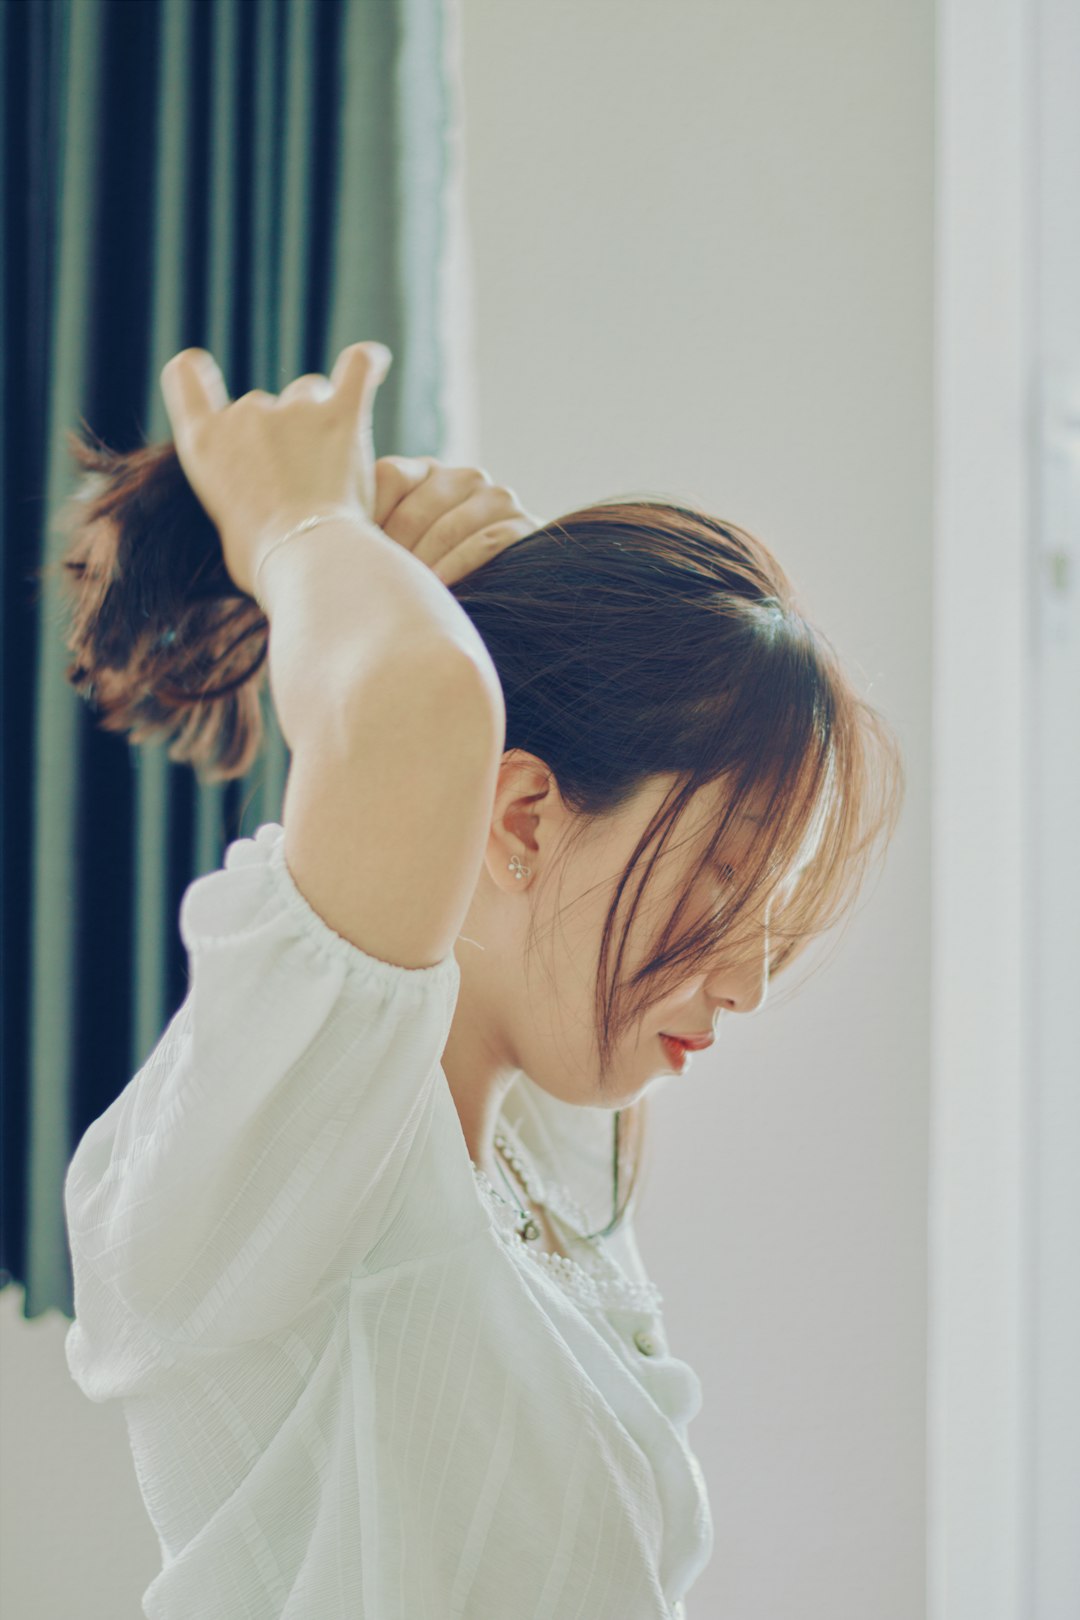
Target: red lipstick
point(676, 1052)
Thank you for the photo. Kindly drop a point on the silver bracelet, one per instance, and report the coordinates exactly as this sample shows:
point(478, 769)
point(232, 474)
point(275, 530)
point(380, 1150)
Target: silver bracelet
point(300, 528)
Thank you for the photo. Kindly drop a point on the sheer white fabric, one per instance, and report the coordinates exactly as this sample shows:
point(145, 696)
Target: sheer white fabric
point(351, 1390)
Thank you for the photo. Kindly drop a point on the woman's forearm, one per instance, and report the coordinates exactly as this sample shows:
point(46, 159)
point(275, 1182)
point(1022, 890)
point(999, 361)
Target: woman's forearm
point(341, 599)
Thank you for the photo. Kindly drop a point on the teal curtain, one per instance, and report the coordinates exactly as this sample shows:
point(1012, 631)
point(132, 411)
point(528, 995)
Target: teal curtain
point(262, 178)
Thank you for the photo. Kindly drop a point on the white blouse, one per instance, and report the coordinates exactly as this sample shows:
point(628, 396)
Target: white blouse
point(352, 1391)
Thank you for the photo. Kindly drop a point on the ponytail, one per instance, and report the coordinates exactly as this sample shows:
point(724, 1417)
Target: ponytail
point(166, 646)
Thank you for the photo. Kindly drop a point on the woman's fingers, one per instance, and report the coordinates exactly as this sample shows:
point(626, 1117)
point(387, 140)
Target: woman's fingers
point(357, 373)
point(313, 385)
point(193, 388)
point(478, 512)
point(481, 547)
point(441, 492)
point(396, 477)
point(452, 518)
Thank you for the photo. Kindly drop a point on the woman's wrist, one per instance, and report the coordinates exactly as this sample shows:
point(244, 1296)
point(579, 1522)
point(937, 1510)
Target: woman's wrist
point(292, 529)
point(342, 600)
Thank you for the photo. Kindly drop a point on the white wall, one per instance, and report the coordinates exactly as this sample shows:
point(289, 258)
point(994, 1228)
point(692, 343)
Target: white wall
point(702, 239)
point(701, 234)
point(74, 1534)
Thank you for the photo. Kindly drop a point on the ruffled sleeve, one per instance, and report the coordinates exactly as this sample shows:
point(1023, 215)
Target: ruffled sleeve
point(267, 1145)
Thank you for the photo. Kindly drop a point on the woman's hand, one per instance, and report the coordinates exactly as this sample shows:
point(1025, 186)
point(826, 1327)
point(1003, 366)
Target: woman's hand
point(452, 518)
point(263, 462)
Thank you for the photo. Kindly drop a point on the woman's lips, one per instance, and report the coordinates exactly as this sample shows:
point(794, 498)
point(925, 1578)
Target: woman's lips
point(677, 1053)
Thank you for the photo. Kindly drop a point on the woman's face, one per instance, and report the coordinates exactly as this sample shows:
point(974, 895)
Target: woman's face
point(539, 1014)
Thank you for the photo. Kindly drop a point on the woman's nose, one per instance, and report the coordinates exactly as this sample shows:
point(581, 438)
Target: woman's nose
point(742, 986)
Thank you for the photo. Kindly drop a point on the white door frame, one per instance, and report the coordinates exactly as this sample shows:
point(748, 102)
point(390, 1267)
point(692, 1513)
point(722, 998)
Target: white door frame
point(1003, 1488)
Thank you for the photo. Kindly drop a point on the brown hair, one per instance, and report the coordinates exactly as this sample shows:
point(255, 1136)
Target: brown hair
point(633, 638)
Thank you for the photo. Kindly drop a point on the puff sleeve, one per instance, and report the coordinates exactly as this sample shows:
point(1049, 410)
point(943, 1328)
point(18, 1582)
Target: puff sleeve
point(269, 1141)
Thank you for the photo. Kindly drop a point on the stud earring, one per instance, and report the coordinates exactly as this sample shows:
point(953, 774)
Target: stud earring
point(518, 867)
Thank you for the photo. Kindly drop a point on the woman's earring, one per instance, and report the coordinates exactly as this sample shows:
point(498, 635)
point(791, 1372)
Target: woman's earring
point(518, 867)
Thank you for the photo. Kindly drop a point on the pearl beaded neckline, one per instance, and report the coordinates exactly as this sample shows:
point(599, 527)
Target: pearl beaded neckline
point(530, 1228)
point(600, 1282)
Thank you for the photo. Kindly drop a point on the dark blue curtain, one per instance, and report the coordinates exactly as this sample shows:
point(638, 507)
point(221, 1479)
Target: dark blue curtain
point(264, 179)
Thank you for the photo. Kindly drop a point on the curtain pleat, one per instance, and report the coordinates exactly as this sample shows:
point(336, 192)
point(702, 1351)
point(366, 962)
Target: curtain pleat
point(262, 178)
point(56, 935)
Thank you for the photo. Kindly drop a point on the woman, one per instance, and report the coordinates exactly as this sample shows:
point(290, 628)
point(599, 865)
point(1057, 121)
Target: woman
point(340, 1245)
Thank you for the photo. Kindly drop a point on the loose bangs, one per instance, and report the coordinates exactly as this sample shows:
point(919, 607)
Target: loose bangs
point(794, 745)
